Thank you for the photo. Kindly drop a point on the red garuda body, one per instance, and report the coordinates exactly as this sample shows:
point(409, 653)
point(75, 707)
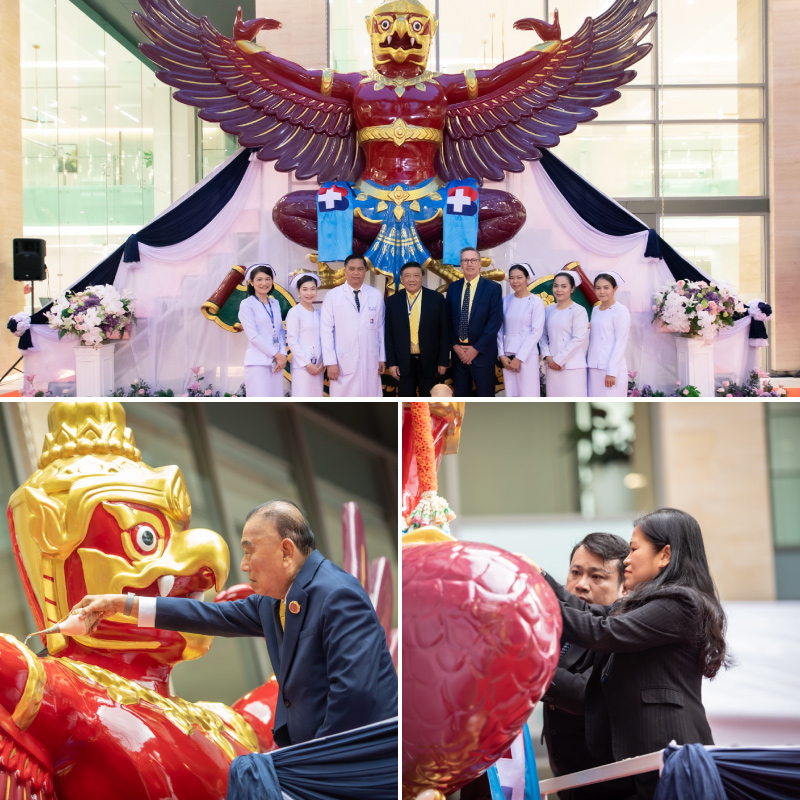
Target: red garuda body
point(399, 132)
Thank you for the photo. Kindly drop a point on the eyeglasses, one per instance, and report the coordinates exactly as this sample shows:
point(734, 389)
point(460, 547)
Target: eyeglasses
point(470, 260)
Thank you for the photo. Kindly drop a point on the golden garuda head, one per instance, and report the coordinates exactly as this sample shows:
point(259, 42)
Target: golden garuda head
point(94, 519)
point(401, 31)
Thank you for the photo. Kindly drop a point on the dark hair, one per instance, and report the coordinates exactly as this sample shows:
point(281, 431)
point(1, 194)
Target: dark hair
point(469, 250)
point(566, 275)
point(412, 264)
point(686, 577)
point(609, 547)
point(353, 256)
point(304, 279)
point(260, 268)
point(290, 522)
point(521, 268)
point(606, 277)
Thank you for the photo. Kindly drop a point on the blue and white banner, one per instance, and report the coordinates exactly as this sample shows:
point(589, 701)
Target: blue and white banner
point(334, 221)
point(460, 218)
point(514, 776)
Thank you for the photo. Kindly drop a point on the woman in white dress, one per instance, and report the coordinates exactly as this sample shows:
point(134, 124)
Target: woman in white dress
point(563, 343)
point(608, 340)
point(518, 337)
point(260, 316)
point(302, 336)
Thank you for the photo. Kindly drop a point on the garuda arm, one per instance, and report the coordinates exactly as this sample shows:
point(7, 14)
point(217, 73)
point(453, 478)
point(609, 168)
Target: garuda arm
point(26, 768)
point(497, 119)
point(300, 119)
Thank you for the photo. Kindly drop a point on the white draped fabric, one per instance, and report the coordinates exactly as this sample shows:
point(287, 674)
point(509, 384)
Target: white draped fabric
point(171, 283)
point(554, 235)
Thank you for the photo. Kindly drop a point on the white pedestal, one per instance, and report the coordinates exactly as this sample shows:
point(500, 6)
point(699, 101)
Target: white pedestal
point(696, 364)
point(94, 370)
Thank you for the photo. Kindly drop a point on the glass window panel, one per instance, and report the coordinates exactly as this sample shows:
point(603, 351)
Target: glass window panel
point(712, 159)
point(712, 42)
point(784, 434)
point(634, 104)
point(719, 103)
point(786, 510)
point(484, 37)
point(617, 159)
point(729, 248)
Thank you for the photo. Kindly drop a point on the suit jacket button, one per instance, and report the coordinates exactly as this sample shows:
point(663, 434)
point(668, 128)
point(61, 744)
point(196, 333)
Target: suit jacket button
point(286, 703)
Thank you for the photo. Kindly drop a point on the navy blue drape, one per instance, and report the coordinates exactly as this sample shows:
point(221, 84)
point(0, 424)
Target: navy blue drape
point(693, 773)
point(355, 765)
point(604, 214)
point(181, 222)
point(689, 773)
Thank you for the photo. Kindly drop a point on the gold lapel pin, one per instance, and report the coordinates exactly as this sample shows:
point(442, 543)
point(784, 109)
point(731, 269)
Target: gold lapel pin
point(294, 607)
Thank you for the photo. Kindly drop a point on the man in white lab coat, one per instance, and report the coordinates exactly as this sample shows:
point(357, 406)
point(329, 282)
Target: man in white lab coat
point(352, 334)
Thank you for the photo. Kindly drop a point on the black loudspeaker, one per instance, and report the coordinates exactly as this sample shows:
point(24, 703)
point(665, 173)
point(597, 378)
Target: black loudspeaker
point(29, 260)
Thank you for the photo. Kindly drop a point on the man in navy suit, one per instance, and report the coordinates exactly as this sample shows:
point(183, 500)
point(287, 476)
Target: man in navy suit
point(476, 314)
point(326, 644)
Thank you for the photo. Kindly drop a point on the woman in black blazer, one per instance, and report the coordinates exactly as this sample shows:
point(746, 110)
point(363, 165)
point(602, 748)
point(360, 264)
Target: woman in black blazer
point(655, 646)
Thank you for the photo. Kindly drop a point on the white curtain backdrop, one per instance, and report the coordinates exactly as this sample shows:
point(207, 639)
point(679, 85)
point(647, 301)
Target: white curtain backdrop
point(170, 284)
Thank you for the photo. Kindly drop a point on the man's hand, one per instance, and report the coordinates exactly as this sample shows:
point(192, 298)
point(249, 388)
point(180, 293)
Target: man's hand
point(610, 381)
point(394, 372)
point(442, 370)
point(381, 367)
point(104, 606)
point(469, 354)
point(333, 372)
point(551, 364)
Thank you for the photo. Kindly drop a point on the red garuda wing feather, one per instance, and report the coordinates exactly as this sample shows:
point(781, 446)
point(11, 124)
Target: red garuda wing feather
point(531, 101)
point(265, 101)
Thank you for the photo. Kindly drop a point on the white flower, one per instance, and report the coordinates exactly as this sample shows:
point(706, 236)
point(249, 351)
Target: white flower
point(93, 336)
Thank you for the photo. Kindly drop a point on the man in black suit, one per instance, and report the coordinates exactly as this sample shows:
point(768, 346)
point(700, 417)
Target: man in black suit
point(417, 328)
point(476, 314)
point(595, 575)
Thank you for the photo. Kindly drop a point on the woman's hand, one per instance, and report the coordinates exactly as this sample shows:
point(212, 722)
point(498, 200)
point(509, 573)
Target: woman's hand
point(103, 605)
point(551, 364)
point(506, 362)
point(515, 364)
point(280, 362)
point(610, 381)
point(315, 369)
point(333, 372)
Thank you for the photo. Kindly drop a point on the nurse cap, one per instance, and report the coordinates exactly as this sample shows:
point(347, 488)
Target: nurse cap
point(252, 267)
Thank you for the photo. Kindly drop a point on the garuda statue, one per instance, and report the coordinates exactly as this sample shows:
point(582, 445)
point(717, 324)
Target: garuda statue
point(399, 133)
point(94, 717)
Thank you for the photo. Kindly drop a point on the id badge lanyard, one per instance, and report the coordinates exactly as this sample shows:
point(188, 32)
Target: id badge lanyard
point(268, 309)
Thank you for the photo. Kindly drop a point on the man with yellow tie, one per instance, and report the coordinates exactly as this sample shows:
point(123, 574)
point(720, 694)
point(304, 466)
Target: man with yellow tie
point(326, 644)
point(475, 306)
point(417, 345)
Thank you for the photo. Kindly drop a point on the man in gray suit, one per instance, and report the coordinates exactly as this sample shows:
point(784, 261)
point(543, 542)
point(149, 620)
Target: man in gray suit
point(596, 576)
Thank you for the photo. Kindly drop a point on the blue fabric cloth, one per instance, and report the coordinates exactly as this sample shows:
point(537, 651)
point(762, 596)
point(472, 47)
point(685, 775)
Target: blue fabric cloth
point(354, 765)
point(759, 774)
point(182, 221)
point(608, 217)
point(498, 786)
point(460, 219)
point(334, 221)
point(690, 774)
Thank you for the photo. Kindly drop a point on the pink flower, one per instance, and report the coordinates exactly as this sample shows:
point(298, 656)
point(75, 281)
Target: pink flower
point(726, 384)
point(141, 391)
point(185, 394)
point(195, 387)
point(685, 391)
point(677, 383)
point(208, 392)
point(30, 378)
point(196, 370)
point(729, 395)
point(681, 284)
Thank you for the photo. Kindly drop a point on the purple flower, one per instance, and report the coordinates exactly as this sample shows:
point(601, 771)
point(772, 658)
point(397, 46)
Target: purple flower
point(90, 302)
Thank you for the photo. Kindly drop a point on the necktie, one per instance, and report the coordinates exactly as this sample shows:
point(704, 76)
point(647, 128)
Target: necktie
point(358, 304)
point(463, 323)
point(283, 614)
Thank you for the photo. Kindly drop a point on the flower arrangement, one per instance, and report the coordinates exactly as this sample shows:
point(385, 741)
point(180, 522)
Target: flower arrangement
point(647, 391)
point(196, 388)
point(697, 308)
point(755, 386)
point(141, 389)
point(96, 315)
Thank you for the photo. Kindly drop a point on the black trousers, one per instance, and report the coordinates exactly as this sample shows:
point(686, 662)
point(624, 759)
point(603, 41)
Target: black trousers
point(408, 385)
point(464, 375)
